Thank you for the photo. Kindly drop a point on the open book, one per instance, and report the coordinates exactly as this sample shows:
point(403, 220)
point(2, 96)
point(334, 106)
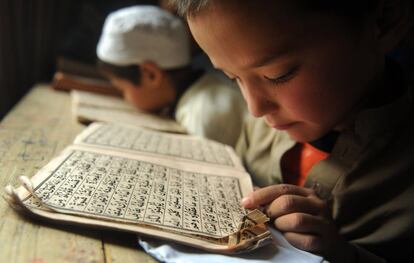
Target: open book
point(176, 187)
point(77, 75)
point(89, 107)
point(67, 82)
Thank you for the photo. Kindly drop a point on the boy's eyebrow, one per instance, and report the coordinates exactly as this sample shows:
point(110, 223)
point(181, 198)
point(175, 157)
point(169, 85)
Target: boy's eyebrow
point(264, 60)
point(269, 57)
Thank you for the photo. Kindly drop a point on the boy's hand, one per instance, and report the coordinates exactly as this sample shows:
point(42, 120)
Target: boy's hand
point(303, 218)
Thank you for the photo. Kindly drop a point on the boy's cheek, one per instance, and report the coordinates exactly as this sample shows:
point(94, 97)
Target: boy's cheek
point(132, 97)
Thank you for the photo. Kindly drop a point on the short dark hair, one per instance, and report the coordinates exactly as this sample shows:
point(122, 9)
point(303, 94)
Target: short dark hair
point(129, 72)
point(188, 7)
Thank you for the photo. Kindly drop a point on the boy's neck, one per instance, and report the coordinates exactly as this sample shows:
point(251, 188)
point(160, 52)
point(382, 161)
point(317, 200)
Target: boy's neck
point(181, 80)
point(184, 79)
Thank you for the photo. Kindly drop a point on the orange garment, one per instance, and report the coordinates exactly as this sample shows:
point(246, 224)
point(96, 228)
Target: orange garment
point(297, 162)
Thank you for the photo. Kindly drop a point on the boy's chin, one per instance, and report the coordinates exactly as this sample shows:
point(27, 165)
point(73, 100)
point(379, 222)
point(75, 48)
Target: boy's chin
point(304, 135)
point(298, 138)
point(300, 132)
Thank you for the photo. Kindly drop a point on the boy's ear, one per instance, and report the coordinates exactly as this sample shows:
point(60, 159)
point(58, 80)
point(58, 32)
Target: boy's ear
point(394, 20)
point(151, 74)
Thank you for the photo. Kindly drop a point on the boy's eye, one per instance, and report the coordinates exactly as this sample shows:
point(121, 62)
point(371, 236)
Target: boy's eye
point(283, 78)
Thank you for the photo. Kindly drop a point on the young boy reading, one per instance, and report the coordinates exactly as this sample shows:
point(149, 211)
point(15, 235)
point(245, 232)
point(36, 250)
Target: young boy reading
point(337, 167)
point(144, 51)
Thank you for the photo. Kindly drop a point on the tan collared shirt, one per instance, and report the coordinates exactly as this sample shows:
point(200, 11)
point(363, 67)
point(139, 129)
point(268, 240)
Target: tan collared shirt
point(212, 108)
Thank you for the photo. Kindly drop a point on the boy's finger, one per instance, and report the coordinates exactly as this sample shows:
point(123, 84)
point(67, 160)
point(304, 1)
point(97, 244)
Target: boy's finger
point(307, 242)
point(301, 223)
point(268, 194)
point(287, 204)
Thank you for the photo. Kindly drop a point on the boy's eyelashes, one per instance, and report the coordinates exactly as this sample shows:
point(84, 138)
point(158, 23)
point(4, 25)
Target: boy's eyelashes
point(275, 80)
point(284, 77)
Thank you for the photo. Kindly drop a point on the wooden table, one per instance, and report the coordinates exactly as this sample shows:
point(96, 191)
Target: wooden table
point(36, 130)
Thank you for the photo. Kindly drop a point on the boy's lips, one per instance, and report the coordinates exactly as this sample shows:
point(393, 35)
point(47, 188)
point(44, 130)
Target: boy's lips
point(282, 126)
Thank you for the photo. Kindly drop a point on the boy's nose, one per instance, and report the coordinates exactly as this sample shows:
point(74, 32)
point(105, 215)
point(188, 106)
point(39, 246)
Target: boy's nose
point(258, 103)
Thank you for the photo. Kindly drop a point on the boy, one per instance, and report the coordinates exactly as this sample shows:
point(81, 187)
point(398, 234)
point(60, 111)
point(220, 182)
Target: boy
point(145, 52)
point(337, 168)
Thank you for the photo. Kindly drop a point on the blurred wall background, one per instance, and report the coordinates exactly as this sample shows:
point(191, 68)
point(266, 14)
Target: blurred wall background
point(34, 32)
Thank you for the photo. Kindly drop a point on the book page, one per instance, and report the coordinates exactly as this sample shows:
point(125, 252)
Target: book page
point(85, 98)
point(163, 145)
point(137, 190)
point(88, 107)
point(87, 114)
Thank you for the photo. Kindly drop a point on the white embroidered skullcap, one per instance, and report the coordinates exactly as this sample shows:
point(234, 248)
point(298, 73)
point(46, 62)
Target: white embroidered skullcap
point(141, 33)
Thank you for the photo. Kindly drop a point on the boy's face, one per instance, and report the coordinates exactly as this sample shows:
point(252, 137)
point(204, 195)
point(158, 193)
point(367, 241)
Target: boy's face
point(305, 74)
point(144, 96)
point(130, 91)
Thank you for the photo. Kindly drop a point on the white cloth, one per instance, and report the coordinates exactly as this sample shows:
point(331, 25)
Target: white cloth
point(281, 251)
point(212, 108)
point(141, 33)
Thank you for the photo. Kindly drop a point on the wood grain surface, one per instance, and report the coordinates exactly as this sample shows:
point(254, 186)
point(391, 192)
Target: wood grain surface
point(33, 132)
